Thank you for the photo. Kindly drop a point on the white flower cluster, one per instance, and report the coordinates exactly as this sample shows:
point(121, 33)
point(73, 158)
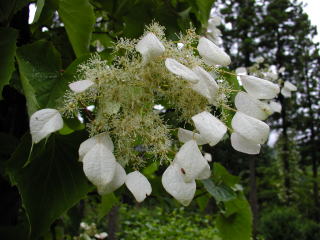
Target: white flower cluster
point(248, 130)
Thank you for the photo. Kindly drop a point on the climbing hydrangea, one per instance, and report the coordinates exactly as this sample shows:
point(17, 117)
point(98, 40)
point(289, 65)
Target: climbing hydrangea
point(185, 77)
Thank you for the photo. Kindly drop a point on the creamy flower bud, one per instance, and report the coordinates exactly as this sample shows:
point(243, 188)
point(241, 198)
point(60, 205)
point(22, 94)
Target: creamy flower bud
point(259, 88)
point(250, 128)
point(99, 165)
point(88, 144)
point(252, 106)
point(181, 70)
point(212, 54)
point(243, 145)
point(208, 157)
point(43, 123)
point(173, 183)
point(191, 161)
point(138, 185)
point(150, 47)
point(117, 181)
point(186, 135)
point(210, 127)
point(80, 86)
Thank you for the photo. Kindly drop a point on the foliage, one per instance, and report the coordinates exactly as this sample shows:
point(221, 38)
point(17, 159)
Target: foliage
point(159, 223)
point(287, 223)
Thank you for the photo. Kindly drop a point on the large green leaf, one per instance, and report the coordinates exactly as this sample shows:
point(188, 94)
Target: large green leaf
point(236, 221)
point(39, 67)
point(78, 18)
point(8, 50)
point(40, 71)
point(221, 193)
point(9, 7)
point(52, 182)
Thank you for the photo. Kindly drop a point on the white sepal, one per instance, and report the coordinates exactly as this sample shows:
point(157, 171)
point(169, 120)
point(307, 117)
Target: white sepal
point(150, 47)
point(138, 185)
point(190, 160)
point(181, 70)
point(259, 88)
point(251, 106)
point(117, 181)
point(88, 144)
point(285, 92)
point(211, 53)
point(209, 127)
point(186, 135)
point(206, 86)
point(80, 86)
point(99, 165)
point(205, 173)
point(275, 106)
point(173, 183)
point(243, 145)
point(250, 128)
point(44, 122)
point(290, 86)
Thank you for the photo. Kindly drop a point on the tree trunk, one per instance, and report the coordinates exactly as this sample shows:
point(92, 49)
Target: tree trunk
point(253, 197)
point(113, 223)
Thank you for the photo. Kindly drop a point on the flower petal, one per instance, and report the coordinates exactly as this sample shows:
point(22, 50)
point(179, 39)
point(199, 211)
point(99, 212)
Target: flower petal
point(99, 165)
point(275, 106)
point(118, 180)
point(88, 144)
point(44, 122)
point(252, 106)
point(181, 70)
point(205, 173)
point(208, 157)
point(243, 145)
point(190, 161)
point(290, 86)
point(206, 86)
point(259, 88)
point(80, 86)
point(150, 47)
point(211, 53)
point(138, 185)
point(210, 127)
point(173, 183)
point(250, 128)
point(186, 135)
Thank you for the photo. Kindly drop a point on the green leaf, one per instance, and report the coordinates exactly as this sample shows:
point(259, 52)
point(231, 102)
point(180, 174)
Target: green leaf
point(236, 222)
point(8, 49)
point(107, 202)
point(52, 182)
point(40, 71)
point(221, 175)
point(39, 68)
point(78, 18)
point(40, 5)
point(9, 7)
point(221, 193)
